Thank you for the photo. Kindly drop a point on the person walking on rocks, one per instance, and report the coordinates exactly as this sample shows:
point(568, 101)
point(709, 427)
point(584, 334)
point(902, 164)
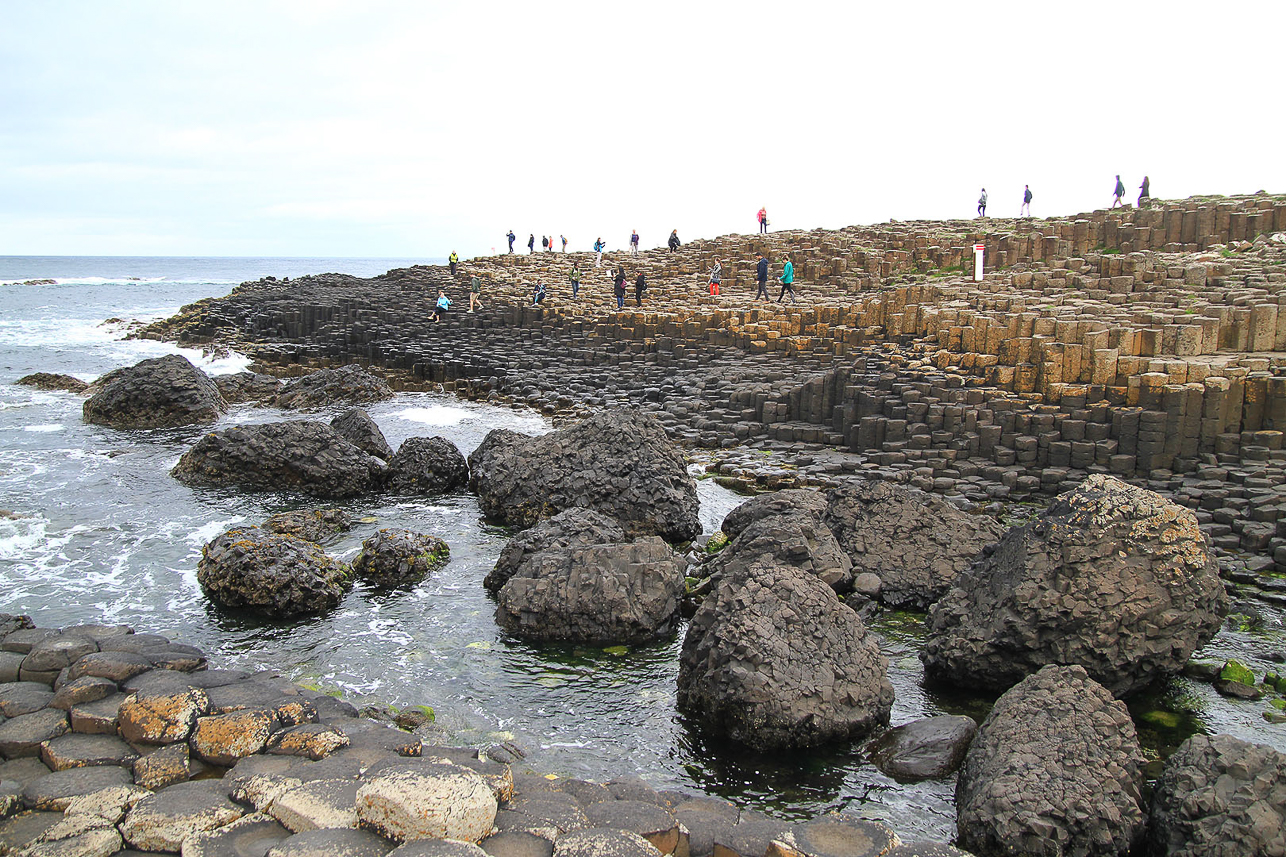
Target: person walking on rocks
point(634, 242)
point(715, 273)
point(763, 220)
point(673, 243)
point(531, 243)
point(475, 293)
point(544, 243)
point(574, 276)
point(598, 249)
point(640, 283)
point(619, 289)
point(982, 203)
point(564, 237)
point(1026, 206)
point(1145, 194)
point(453, 260)
point(787, 280)
point(511, 238)
point(538, 293)
point(444, 304)
point(761, 274)
point(1118, 192)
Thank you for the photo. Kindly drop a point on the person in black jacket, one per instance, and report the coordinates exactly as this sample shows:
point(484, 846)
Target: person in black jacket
point(640, 283)
point(620, 288)
point(1145, 193)
point(674, 240)
point(531, 243)
point(761, 274)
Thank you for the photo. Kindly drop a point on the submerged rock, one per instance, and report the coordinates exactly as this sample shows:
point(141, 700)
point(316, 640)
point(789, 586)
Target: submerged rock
point(618, 463)
point(394, 557)
point(1111, 577)
point(600, 594)
point(158, 393)
point(773, 659)
point(1220, 796)
point(923, 749)
point(333, 386)
point(279, 576)
point(1055, 769)
point(52, 381)
point(916, 543)
point(295, 455)
point(427, 465)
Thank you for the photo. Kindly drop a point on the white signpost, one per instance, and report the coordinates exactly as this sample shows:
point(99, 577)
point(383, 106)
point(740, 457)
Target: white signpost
point(978, 250)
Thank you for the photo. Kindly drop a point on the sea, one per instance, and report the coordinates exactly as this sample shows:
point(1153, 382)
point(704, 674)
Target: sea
point(94, 529)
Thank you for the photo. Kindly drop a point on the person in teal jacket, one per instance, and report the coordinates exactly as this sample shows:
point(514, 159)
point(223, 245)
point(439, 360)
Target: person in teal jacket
point(444, 304)
point(787, 280)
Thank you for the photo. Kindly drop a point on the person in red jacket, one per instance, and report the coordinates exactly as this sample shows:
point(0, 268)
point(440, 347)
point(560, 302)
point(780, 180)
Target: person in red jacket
point(763, 219)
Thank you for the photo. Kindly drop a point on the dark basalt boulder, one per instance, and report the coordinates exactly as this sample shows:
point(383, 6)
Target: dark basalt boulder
point(607, 594)
point(311, 525)
point(774, 659)
point(357, 427)
point(618, 463)
point(427, 465)
point(295, 455)
point(239, 387)
point(1056, 769)
point(567, 529)
point(52, 381)
point(796, 538)
point(280, 576)
point(333, 386)
point(1219, 796)
point(399, 557)
point(923, 749)
point(1112, 577)
point(915, 542)
point(158, 393)
point(785, 502)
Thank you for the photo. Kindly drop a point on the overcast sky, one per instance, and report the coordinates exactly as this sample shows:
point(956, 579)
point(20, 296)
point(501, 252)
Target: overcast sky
point(414, 128)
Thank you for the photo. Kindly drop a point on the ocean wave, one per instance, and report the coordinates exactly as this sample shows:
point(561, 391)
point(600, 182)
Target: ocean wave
point(90, 281)
point(434, 415)
point(52, 427)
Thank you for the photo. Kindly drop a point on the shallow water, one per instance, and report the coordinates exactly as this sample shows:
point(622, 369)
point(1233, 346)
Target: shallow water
point(102, 533)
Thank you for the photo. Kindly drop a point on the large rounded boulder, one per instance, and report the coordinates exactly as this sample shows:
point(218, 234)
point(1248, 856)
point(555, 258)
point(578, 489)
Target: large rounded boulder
point(427, 465)
point(789, 501)
point(915, 542)
point(1112, 577)
point(279, 576)
point(240, 387)
point(158, 393)
point(325, 387)
point(603, 594)
point(569, 528)
point(1056, 769)
point(295, 455)
point(395, 557)
point(794, 538)
point(774, 659)
point(618, 463)
point(1219, 796)
point(357, 427)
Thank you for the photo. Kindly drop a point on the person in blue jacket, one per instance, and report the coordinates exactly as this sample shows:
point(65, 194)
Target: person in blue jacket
point(511, 238)
point(444, 304)
point(761, 274)
point(787, 280)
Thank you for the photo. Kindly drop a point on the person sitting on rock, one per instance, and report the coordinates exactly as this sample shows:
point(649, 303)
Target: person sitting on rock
point(640, 283)
point(619, 279)
point(538, 293)
point(444, 304)
point(673, 243)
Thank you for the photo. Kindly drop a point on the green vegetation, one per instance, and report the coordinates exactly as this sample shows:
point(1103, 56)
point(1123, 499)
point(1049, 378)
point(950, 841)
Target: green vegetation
point(717, 542)
point(1238, 672)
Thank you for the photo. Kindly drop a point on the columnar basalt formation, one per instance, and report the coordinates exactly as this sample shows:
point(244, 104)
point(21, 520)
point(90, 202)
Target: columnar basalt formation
point(1148, 343)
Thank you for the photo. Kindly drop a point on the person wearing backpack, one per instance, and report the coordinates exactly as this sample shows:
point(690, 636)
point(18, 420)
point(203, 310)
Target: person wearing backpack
point(564, 237)
point(598, 249)
point(1026, 206)
point(538, 294)
point(982, 204)
point(574, 276)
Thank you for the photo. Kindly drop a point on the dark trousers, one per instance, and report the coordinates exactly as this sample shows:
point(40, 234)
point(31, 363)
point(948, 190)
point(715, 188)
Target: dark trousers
point(763, 226)
point(452, 268)
point(763, 290)
point(787, 287)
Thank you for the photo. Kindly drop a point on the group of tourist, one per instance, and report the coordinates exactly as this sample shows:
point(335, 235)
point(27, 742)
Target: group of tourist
point(1145, 198)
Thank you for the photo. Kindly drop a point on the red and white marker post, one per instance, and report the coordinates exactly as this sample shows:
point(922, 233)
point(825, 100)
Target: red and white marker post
point(978, 251)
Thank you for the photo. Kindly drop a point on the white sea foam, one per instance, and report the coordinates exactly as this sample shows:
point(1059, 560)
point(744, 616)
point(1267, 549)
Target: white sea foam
point(20, 536)
point(204, 534)
point(45, 428)
point(434, 415)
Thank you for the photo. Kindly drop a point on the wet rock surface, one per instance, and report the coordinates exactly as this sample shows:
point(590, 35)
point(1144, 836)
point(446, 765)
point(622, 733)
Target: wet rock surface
point(356, 426)
point(395, 557)
point(1219, 796)
point(282, 576)
point(241, 387)
point(1055, 769)
point(312, 525)
point(575, 527)
point(915, 542)
point(798, 539)
point(325, 387)
point(923, 749)
point(605, 594)
point(427, 465)
point(53, 381)
point(1111, 577)
point(295, 455)
point(773, 659)
point(158, 393)
point(620, 464)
